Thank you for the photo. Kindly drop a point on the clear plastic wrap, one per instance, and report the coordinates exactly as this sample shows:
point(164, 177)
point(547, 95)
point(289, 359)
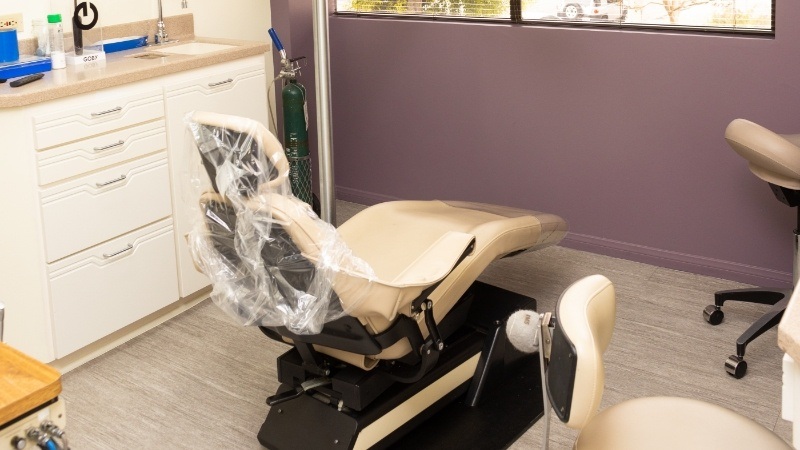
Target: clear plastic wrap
point(271, 260)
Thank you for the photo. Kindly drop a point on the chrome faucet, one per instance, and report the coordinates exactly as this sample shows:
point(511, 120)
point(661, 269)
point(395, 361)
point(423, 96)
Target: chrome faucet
point(161, 36)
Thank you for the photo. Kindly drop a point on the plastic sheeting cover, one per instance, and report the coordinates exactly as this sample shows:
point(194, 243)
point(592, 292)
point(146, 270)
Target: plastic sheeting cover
point(271, 260)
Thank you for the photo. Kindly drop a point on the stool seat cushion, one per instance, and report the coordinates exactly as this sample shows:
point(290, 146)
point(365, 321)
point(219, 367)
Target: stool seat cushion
point(671, 423)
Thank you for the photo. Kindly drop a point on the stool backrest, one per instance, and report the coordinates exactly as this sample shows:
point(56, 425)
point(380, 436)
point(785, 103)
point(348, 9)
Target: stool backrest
point(584, 324)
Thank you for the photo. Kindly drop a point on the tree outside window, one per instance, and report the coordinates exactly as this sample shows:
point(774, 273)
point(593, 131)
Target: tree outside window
point(754, 15)
point(457, 8)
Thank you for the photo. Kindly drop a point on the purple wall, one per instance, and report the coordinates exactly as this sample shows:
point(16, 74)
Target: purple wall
point(619, 132)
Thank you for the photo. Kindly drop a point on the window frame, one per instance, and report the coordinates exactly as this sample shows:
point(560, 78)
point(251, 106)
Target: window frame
point(517, 19)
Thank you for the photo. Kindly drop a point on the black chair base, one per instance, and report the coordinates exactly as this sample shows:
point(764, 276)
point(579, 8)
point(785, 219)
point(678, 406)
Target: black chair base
point(495, 404)
point(735, 365)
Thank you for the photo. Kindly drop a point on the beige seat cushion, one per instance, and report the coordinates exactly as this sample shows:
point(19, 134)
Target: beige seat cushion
point(362, 293)
point(671, 423)
point(389, 236)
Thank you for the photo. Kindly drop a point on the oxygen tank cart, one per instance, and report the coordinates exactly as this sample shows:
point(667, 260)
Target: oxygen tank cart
point(295, 126)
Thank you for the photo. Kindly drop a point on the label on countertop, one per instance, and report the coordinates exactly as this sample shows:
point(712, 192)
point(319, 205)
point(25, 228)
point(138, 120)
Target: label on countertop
point(88, 57)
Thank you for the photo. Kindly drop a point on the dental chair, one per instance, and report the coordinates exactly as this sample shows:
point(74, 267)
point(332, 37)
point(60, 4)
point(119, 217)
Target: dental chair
point(579, 334)
point(774, 158)
point(386, 321)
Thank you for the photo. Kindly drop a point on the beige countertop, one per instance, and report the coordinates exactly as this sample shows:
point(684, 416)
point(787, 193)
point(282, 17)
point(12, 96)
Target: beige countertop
point(789, 328)
point(122, 68)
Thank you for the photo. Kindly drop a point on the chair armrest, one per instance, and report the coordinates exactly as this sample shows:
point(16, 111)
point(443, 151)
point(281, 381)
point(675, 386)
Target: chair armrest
point(436, 262)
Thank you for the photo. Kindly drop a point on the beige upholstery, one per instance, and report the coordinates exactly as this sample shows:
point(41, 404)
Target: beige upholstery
point(671, 423)
point(773, 157)
point(586, 314)
point(391, 290)
point(409, 245)
point(392, 235)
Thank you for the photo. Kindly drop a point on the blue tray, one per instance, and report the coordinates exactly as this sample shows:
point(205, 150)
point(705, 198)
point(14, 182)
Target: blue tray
point(25, 66)
point(120, 44)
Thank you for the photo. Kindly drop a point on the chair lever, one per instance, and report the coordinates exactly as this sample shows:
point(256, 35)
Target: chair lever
point(298, 391)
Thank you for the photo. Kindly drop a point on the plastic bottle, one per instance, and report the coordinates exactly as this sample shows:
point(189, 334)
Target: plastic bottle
point(40, 32)
point(56, 38)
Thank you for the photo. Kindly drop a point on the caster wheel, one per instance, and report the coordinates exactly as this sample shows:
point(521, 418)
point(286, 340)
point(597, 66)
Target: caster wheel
point(736, 366)
point(713, 315)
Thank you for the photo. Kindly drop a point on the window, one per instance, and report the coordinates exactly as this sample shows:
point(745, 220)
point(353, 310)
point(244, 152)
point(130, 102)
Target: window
point(752, 16)
point(486, 9)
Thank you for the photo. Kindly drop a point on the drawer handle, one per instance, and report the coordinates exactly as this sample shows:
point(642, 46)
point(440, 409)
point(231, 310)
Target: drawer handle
point(220, 83)
point(111, 255)
point(108, 111)
point(109, 147)
point(115, 180)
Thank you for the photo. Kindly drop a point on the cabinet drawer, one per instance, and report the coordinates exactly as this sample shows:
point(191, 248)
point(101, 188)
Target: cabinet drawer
point(95, 153)
point(80, 213)
point(225, 80)
point(93, 119)
point(101, 290)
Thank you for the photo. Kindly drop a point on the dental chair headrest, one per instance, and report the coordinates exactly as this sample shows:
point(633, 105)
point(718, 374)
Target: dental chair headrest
point(239, 154)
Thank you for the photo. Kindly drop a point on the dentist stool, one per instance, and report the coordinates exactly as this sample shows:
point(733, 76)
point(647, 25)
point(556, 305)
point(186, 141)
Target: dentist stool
point(581, 331)
point(775, 158)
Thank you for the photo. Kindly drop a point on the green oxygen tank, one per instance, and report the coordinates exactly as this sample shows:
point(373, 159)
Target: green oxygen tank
point(295, 132)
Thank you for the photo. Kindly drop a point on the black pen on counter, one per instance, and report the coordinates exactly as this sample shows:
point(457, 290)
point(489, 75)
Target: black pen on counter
point(26, 79)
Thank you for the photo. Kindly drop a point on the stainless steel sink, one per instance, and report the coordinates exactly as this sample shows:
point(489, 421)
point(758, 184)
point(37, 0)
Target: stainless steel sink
point(148, 55)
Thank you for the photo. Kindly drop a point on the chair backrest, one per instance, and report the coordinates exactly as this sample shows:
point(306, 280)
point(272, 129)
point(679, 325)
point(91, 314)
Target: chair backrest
point(271, 260)
point(584, 323)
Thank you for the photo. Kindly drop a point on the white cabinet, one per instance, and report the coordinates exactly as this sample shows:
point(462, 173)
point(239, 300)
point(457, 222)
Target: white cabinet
point(90, 189)
point(103, 187)
point(89, 210)
point(94, 153)
point(239, 91)
point(119, 111)
point(106, 287)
